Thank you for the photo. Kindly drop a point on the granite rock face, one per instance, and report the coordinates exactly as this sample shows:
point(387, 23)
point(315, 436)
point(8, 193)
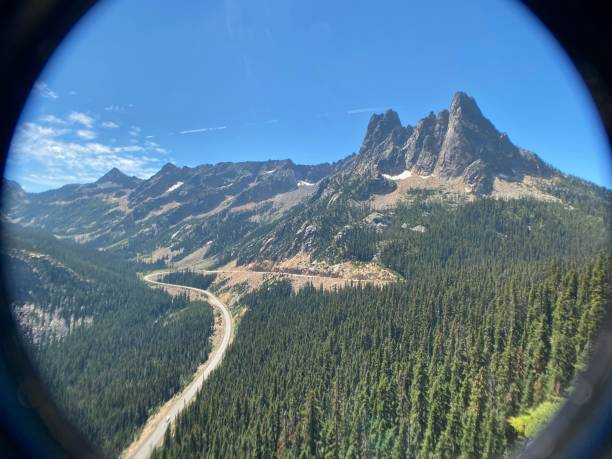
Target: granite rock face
point(459, 142)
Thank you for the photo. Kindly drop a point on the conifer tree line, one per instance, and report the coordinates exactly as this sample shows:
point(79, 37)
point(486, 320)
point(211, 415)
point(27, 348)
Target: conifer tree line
point(456, 232)
point(497, 312)
point(432, 367)
point(494, 313)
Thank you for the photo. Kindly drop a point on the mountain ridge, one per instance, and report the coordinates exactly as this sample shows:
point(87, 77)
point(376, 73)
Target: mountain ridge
point(227, 210)
point(413, 299)
point(116, 176)
point(459, 142)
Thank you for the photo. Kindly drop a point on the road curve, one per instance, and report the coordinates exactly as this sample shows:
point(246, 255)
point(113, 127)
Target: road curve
point(155, 429)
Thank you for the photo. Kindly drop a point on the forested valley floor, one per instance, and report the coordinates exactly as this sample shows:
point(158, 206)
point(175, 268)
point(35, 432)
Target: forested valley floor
point(467, 357)
point(405, 371)
point(475, 278)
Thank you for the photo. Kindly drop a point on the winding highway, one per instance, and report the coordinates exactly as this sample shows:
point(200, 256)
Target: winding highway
point(153, 433)
point(154, 430)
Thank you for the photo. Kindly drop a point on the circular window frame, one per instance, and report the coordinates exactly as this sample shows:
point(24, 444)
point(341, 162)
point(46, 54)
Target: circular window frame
point(30, 423)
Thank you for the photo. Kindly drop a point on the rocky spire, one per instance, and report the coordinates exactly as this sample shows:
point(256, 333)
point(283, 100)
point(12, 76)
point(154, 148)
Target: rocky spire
point(459, 142)
point(465, 106)
point(380, 127)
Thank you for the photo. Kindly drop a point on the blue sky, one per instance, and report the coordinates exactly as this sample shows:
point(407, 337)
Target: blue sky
point(139, 83)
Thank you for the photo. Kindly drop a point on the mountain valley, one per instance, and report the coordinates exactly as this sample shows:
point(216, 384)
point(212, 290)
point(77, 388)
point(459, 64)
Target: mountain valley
point(409, 300)
point(233, 211)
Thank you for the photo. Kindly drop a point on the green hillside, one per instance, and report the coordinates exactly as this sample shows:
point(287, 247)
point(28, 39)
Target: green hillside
point(125, 349)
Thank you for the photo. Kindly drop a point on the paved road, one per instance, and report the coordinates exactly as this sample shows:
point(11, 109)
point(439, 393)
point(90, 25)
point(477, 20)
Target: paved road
point(154, 430)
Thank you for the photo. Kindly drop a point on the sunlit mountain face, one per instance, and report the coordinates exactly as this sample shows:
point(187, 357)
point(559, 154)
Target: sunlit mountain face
point(456, 273)
point(277, 230)
point(244, 210)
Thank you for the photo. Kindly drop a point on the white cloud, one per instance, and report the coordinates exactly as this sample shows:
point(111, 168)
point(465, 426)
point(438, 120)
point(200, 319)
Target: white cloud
point(86, 134)
point(52, 119)
point(355, 111)
point(110, 125)
point(154, 146)
point(56, 179)
point(129, 149)
point(81, 118)
point(118, 108)
point(134, 131)
point(72, 93)
point(44, 90)
point(193, 131)
point(62, 159)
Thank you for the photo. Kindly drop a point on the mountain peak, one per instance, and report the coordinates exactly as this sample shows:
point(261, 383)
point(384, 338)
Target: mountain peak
point(12, 184)
point(168, 167)
point(380, 127)
point(464, 105)
point(112, 176)
point(117, 177)
point(385, 121)
point(456, 143)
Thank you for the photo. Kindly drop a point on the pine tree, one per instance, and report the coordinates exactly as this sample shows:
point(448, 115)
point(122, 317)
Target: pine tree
point(437, 407)
point(563, 351)
point(416, 420)
point(470, 439)
point(593, 312)
point(400, 447)
point(448, 445)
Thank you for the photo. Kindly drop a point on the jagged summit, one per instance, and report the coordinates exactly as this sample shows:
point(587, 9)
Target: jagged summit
point(114, 173)
point(169, 167)
point(464, 104)
point(459, 142)
point(382, 125)
point(118, 178)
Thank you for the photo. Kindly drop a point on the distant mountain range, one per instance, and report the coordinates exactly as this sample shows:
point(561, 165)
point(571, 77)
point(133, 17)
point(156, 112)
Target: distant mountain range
point(434, 264)
point(273, 210)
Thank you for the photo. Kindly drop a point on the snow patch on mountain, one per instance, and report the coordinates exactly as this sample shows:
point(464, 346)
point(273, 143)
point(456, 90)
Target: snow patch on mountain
point(175, 233)
point(305, 183)
point(403, 176)
point(174, 187)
